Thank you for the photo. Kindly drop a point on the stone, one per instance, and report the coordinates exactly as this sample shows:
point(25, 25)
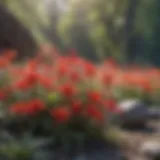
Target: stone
point(151, 149)
point(154, 112)
point(134, 113)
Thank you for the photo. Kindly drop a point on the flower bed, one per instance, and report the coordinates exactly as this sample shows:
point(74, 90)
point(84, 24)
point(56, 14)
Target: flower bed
point(68, 96)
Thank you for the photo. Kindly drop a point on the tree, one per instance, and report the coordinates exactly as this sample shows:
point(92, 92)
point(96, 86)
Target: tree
point(146, 29)
point(100, 24)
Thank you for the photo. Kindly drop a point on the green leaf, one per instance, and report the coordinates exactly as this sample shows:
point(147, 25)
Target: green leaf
point(52, 97)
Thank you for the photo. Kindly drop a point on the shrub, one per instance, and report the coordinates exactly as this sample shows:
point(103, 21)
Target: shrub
point(58, 96)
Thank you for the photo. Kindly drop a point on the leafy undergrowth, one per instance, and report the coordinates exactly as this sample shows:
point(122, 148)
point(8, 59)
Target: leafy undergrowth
point(65, 98)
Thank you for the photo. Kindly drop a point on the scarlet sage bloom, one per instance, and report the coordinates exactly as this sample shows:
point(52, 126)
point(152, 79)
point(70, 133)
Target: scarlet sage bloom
point(29, 80)
point(67, 90)
point(93, 112)
point(61, 114)
point(28, 108)
point(107, 79)
point(36, 105)
point(22, 85)
point(76, 106)
point(62, 70)
point(75, 76)
point(146, 86)
point(89, 69)
point(46, 82)
point(94, 96)
point(32, 78)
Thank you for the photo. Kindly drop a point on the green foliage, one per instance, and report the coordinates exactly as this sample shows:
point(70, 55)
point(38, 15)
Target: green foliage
point(146, 32)
point(24, 148)
point(126, 30)
point(100, 22)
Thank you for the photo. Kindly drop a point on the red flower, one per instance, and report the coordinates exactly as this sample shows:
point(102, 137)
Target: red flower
point(76, 106)
point(67, 90)
point(111, 105)
point(61, 115)
point(75, 76)
point(93, 112)
point(22, 85)
point(36, 106)
point(62, 70)
point(94, 96)
point(107, 79)
point(146, 86)
point(90, 70)
point(28, 81)
point(46, 82)
point(28, 108)
point(32, 78)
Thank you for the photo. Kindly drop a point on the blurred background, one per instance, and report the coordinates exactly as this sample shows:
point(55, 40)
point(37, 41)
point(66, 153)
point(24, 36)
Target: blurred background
point(127, 30)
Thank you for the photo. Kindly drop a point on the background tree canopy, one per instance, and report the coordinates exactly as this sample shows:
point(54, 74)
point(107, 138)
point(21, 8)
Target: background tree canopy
point(127, 30)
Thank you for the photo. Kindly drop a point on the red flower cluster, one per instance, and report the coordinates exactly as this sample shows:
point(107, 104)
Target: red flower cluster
point(79, 87)
point(61, 114)
point(31, 107)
